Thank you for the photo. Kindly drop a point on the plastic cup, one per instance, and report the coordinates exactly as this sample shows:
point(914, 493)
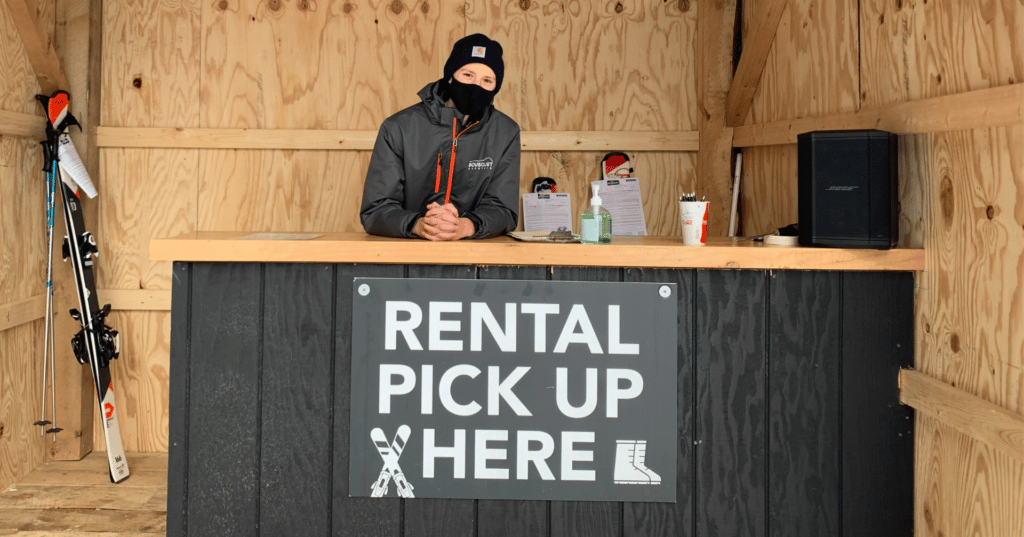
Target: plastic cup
point(694, 216)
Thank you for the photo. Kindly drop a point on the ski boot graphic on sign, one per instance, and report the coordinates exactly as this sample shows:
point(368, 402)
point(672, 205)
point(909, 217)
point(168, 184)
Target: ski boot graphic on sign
point(96, 344)
point(629, 464)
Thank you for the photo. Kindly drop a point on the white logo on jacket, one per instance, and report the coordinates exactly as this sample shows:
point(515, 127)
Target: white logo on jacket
point(484, 164)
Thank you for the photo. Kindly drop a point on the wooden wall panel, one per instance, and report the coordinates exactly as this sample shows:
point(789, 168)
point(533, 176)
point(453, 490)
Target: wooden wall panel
point(333, 66)
point(141, 376)
point(960, 195)
point(594, 66)
point(151, 78)
point(913, 188)
point(22, 262)
point(964, 487)
point(18, 86)
point(151, 72)
point(970, 310)
point(313, 65)
point(21, 447)
point(580, 66)
point(284, 190)
point(812, 69)
point(143, 194)
point(23, 214)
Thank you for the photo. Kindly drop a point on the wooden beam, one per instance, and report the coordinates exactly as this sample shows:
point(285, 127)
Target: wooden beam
point(135, 299)
point(363, 140)
point(37, 45)
point(33, 308)
point(634, 252)
point(610, 141)
point(992, 107)
point(990, 423)
point(751, 64)
point(18, 124)
point(715, 27)
point(23, 311)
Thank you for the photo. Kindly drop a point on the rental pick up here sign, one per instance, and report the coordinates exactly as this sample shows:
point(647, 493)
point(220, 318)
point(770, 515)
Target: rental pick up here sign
point(499, 389)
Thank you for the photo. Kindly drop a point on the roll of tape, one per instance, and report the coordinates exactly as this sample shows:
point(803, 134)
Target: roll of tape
point(779, 240)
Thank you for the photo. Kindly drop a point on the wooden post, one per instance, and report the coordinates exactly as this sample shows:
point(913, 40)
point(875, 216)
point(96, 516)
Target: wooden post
point(34, 35)
point(715, 28)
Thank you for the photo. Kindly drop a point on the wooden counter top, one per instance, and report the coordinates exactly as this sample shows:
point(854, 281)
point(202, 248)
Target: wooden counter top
point(629, 252)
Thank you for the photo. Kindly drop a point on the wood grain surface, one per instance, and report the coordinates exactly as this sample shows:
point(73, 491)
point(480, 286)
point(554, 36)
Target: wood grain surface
point(992, 424)
point(150, 78)
point(298, 340)
point(23, 262)
point(354, 517)
point(731, 403)
point(959, 198)
point(811, 70)
point(764, 427)
point(224, 403)
point(635, 252)
point(642, 519)
point(804, 403)
point(18, 124)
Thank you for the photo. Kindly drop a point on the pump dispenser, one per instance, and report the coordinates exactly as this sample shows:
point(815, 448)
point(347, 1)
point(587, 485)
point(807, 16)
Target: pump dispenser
point(595, 222)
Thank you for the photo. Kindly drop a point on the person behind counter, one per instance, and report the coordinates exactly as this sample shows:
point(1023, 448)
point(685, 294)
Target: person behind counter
point(447, 168)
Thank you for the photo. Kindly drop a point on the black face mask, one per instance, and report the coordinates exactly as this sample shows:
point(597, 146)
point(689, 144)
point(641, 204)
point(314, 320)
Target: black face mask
point(470, 99)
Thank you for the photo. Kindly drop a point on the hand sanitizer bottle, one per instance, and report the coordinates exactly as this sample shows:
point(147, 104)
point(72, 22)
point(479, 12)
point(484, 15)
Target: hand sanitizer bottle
point(595, 222)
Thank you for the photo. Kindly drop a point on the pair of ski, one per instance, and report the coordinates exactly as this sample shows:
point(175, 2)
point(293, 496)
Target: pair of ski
point(391, 470)
point(96, 344)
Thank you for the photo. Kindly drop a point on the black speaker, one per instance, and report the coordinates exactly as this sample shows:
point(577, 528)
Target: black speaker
point(848, 189)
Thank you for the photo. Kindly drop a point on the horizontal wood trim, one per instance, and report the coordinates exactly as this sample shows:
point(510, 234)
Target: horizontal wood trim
point(34, 308)
point(22, 311)
point(18, 124)
point(610, 141)
point(632, 252)
point(991, 107)
point(972, 415)
point(233, 138)
point(363, 140)
point(135, 299)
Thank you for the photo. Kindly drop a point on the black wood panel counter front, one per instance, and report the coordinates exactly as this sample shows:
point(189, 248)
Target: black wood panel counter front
point(789, 421)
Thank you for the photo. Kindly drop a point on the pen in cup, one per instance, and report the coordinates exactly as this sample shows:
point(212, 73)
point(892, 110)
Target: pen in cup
point(693, 215)
point(692, 196)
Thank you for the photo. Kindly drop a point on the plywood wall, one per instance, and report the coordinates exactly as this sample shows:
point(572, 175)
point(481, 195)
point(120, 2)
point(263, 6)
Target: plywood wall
point(22, 261)
point(962, 200)
point(970, 187)
point(304, 64)
point(812, 70)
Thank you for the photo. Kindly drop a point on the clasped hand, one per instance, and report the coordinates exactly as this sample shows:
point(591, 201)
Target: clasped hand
point(442, 223)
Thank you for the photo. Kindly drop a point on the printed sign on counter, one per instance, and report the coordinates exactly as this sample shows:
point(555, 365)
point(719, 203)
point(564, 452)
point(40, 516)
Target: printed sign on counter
point(497, 389)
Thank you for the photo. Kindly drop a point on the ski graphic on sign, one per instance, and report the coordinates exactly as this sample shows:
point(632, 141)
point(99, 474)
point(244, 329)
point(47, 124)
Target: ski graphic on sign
point(391, 470)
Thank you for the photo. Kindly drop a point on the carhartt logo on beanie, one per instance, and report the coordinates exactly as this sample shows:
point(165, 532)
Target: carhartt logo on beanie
point(476, 48)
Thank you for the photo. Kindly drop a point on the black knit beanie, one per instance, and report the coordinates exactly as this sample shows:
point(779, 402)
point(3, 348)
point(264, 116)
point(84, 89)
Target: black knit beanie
point(476, 48)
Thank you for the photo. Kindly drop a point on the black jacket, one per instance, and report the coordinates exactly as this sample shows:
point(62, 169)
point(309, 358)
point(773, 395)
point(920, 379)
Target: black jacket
point(403, 172)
